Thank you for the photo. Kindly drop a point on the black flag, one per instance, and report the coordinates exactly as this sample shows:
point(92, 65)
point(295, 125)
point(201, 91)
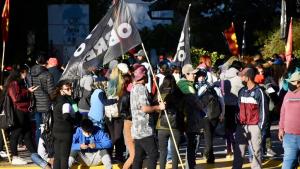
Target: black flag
point(114, 35)
point(183, 49)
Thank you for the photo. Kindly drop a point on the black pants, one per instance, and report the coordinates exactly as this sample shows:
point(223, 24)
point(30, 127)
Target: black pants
point(192, 138)
point(21, 127)
point(1, 141)
point(209, 130)
point(115, 128)
point(163, 138)
point(145, 146)
point(62, 148)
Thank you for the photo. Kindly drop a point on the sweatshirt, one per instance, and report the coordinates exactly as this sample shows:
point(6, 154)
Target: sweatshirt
point(98, 137)
point(289, 114)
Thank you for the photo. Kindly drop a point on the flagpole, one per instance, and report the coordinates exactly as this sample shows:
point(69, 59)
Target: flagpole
point(160, 98)
point(2, 62)
point(244, 39)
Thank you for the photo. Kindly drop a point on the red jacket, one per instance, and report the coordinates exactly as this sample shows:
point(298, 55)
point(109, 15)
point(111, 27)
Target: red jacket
point(19, 95)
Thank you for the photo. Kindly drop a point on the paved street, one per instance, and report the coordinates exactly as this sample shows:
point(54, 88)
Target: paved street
point(219, 149)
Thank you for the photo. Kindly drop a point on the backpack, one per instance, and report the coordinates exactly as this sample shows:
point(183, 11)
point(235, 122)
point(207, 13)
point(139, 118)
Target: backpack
point(213, 107)
point(7, 112)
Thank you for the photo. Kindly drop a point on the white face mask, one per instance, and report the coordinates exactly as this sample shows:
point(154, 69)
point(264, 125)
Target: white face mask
point(176, 76)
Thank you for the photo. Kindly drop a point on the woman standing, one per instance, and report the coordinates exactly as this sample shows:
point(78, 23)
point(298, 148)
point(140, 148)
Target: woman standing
point(170, 94)
point(124, 107)
point(63, 123)
point(20, 96)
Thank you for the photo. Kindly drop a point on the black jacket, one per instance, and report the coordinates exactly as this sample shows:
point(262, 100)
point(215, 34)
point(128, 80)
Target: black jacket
point(40, 76)
point(62, 123)
point(124, 106)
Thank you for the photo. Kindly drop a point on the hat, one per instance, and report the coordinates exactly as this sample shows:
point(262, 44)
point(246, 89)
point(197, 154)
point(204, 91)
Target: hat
point(188, 68)
point(295, 77)
point(123, 68)
point(112, 64)
point(140, 53)
point(139, 73)
point(249, 72)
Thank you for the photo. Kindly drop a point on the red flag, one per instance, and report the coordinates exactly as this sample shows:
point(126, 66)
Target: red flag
point(232, 40)
point(5, 21)
point(289, 44)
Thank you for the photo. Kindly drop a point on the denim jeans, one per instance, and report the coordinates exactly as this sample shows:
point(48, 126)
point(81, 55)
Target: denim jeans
point(38, 160)
point(38, 121)
point(291, 146)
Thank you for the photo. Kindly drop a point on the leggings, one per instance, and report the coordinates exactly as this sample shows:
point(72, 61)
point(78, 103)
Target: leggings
point(62, 148)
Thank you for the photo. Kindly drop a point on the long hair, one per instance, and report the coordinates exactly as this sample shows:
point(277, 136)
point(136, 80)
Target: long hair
point(127, 79)
point(58, 87)
point(115, 83)
point(13, 76)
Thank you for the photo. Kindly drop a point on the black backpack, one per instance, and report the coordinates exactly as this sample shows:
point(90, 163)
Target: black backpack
point(6, 112)
point(213, 107)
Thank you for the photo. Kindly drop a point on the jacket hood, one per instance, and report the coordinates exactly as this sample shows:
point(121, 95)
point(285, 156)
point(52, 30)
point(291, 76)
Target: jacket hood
point(231, 73)
point(36, 70)
point(186, 86)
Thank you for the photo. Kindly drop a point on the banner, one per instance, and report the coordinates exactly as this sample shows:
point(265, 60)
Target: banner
point(114, 35)
point(183, 50)
point(5, 21)
point(289, 44)
point(232, 40)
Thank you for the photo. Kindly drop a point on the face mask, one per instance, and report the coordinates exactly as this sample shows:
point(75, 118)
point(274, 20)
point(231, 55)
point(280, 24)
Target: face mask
point(292, 87)
point(176, 76)
point(244, 83)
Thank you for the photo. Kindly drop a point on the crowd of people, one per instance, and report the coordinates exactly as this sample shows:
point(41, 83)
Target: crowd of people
point(125, 114)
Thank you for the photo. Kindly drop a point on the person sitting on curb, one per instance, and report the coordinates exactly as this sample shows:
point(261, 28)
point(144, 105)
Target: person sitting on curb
point(90, 146)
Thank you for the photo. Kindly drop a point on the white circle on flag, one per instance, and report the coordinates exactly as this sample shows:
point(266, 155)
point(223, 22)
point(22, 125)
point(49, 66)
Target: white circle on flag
point(124, 30)
point(79, 50)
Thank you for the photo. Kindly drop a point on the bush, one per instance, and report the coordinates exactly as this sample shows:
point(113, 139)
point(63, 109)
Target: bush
point(196, 53)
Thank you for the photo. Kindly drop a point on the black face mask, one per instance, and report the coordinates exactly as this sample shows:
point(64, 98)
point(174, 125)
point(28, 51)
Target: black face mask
point(244, 83)
point(292, 87)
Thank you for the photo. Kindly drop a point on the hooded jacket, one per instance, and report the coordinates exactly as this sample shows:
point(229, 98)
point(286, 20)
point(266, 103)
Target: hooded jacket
point(192, 106)
point(42, 78)
point(232, 84)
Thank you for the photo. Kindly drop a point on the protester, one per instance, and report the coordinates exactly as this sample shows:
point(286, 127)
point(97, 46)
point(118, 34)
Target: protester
point(90, 146)
point(193, 111)
point(125, 112)
point(214, 112)
point(289, 125)
point(142, 128)
point(40, 76)
point(251, 120)
point(19, 94)
point(53, 68)
point(232, 83)
point(170, 94)
point(64, 117)
point(113, 120)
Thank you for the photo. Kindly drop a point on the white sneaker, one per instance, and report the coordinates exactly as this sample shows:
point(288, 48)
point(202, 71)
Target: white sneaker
point(18, 161)
point(3, 154)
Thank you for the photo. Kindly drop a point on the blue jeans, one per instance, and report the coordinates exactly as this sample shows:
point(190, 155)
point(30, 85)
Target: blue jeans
point(38, 121)
point(291, 146)
point(38, 160)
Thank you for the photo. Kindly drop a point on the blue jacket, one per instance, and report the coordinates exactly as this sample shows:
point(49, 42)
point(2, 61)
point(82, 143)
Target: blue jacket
point(101, 139)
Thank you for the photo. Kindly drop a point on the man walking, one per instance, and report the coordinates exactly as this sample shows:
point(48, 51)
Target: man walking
point(289, 126)
point(251, 119)
point(142, 122)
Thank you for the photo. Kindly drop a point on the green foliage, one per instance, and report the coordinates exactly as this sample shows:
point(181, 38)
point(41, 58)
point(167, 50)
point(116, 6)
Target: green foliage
point(273, 43)
point(197, 52)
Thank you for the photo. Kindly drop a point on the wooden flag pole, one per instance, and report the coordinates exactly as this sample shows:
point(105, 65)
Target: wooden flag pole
point(160, 98)
point(6, 146)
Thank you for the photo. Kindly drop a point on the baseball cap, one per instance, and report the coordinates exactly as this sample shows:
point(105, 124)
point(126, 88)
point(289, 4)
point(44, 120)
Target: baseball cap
point(139, 73)
point(140, 53)
point(295, 77)
point(188, 68)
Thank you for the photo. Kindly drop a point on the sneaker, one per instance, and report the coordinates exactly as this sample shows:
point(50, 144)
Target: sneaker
point(3, 154)
point(229, 156)
point(18, 161)
point(271, 153)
